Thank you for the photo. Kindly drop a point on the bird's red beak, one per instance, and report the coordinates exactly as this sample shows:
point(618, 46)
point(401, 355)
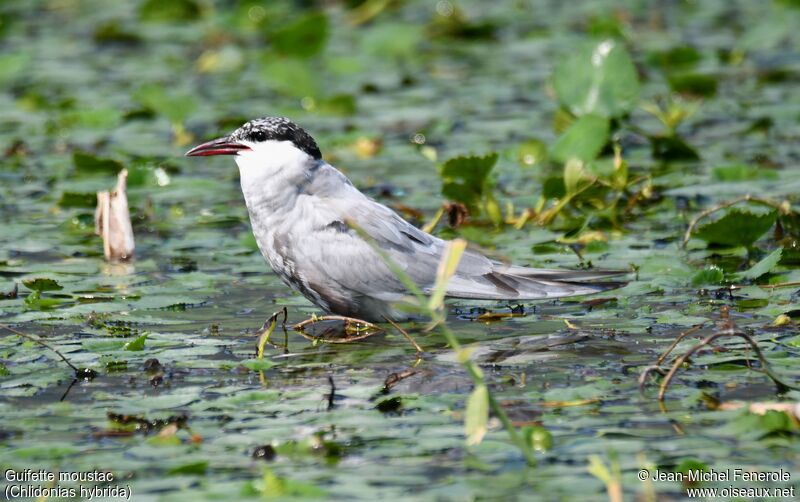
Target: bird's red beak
point(219, 146)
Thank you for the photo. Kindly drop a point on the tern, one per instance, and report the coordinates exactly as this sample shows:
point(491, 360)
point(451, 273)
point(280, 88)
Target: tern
point(322, 236)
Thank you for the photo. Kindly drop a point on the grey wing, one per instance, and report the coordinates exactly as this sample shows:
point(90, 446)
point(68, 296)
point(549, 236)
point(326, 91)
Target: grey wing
point(418, 254)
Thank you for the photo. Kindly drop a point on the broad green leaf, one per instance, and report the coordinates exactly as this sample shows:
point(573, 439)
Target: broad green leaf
point(195, 468)
point(291, 77)
point(583, 140)
point(465, 179)
point(175, 107)
point(477, 414)
point(272, 486)
point(87, 164)
point(597, 78)
point(394, 40)
point(12, 65)
point(35, 301)
point(576, 177)
point(764, 266)
point(92, 118)
point(709, 275)
point(340, 104)
point(258, 364)
point(678, 57)
point(742, 172)
point(694, 84)
point(136, 344)
point(41, 284)
point(672, 148)
point(738, 227)
point(691, 464)
point(303, 37)
point(77, 199)
point(171, 10)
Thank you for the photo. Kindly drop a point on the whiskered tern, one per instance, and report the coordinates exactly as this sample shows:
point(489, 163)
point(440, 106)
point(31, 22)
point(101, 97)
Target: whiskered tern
point(310, 222)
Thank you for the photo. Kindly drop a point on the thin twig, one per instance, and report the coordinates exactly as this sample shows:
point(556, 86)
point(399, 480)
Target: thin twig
point(396, 378)
point(372, 329)
point(706, 341)
point(677, 340)
point(653, 368)
point(43, 344)
point(405, 334)
point(331, 394)
point(780, 285)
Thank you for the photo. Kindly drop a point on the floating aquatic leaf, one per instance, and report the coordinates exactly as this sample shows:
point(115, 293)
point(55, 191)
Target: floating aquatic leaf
point(672, 148)
point(576, 177)
point(42, 284)
point(597, 78)
point(466, 179)
point(291, 77)
point(742, 172)
point(710, 275)
point(12, 65)
point(272, 486)
point(341, 104)
point(258, 364)
point(694, 84)
point(175, 107)
point(675, 58)
point(194, 468)
point(737, 227)
point(303, 37)
point(689, 465)
point(764, 266)
point(136, 344)
point(77, 199)
point(87, 164)
point(173, 10)
point(395, 40)
point(583, 140)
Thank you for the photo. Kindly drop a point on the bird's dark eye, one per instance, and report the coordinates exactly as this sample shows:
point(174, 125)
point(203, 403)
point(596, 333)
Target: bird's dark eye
point(258, 136)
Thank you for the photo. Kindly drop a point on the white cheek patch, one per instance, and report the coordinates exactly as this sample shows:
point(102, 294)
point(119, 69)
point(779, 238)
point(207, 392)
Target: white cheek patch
point(271, 160)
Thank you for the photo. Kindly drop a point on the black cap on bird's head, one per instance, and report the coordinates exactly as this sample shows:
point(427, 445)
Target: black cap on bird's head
point(258, 131)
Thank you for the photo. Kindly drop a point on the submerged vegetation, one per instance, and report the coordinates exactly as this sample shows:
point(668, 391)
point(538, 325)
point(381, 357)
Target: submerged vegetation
point(658, 139)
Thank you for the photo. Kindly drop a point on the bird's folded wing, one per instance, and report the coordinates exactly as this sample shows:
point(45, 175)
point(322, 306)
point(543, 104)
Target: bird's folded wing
point(351, 260)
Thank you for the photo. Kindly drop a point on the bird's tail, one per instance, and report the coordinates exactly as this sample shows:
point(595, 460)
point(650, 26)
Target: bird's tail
point(521, 283)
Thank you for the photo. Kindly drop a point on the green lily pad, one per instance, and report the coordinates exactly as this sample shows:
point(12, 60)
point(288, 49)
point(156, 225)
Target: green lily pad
point(597, 78)
point(764, 266)
point(87, 164)
point(42, 284)
point(583, 140)
point(303, 38)
point(464, 179)
point(137, 344)
point(738, 227)
point(709, 275)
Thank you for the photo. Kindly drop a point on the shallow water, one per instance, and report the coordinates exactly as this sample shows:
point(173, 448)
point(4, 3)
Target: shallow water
point(199, 288)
